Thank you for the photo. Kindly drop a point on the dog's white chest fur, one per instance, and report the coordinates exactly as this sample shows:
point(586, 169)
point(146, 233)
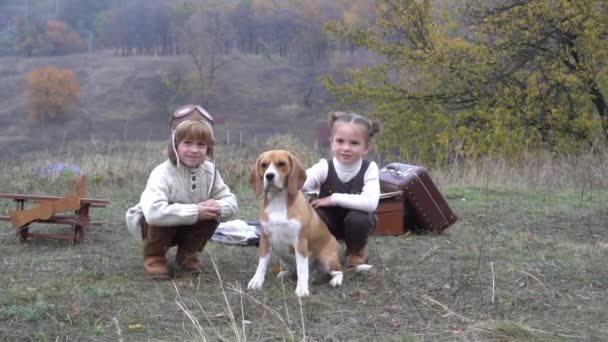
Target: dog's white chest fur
point(282, 232)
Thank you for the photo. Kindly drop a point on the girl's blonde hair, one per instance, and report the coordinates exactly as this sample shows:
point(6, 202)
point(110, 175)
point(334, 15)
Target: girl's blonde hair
point(191, 130)
point(370, 128)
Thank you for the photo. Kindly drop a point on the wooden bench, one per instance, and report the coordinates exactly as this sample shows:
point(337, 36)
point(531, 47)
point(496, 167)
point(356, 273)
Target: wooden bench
point(77, 220)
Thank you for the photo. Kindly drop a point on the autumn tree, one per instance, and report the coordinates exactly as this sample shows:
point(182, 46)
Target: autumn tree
point(552, 57)
point(50, 92)
point(60, 38)
point(44, 37)
point(205, 37)
point(504, 78)
point(27, 36)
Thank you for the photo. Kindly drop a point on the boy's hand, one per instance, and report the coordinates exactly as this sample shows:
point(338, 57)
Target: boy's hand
point(209, 210)
point(321, 202)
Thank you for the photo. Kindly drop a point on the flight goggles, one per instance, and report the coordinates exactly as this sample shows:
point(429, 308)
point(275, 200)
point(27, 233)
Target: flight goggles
point(190, 112)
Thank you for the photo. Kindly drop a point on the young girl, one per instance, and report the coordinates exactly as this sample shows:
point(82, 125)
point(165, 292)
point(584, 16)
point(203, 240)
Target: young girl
point(349, 187)
point(184, 199)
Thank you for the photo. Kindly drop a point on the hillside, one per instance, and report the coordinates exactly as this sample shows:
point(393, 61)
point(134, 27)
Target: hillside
point(122, 99)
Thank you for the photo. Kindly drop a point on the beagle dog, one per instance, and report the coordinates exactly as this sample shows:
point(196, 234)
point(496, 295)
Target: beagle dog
point(290, 226)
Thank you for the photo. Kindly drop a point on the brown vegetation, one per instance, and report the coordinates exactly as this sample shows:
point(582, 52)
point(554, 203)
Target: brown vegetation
point(50, 92)
point(61, 38)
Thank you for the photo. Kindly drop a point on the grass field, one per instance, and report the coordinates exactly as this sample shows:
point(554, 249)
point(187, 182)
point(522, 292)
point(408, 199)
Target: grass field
point(527, 260)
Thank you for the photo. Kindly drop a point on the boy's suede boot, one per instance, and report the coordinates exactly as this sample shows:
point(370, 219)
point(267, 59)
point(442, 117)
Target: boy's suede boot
point(355, 258)
point(155, 268)
point(188, 262)
point(157, 241)
point(190, 241)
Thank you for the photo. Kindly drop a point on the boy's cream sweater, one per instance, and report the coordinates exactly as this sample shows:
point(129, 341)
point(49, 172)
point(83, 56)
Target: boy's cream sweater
point(172, 194)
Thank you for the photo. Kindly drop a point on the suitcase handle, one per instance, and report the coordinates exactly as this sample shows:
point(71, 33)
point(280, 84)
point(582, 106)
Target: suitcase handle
point(396, 170)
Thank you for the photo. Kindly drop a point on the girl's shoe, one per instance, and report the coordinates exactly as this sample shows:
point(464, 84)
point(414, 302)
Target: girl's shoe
point(356, 258)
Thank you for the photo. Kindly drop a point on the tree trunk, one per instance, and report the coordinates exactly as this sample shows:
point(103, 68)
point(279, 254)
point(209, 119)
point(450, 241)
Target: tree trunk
point(598, 98)
point(600, 103)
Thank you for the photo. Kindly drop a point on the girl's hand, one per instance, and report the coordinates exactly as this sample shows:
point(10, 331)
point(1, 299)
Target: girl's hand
point(209, 210)
point(321, 202)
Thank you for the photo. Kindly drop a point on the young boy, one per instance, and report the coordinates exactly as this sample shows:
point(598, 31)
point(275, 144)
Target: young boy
point(185, 197)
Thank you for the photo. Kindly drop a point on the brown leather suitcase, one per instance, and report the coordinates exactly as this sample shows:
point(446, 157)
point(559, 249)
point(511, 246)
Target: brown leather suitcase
point(425, 206)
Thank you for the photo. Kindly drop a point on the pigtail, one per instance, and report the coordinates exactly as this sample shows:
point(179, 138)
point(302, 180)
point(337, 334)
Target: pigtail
point(335, 116)
point(375, 128)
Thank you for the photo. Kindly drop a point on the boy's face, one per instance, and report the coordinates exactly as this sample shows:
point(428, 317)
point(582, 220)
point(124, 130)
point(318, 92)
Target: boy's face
point(192, 152)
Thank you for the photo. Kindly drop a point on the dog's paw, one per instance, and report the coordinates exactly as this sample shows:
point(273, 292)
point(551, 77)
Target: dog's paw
point(256, 283)
point(302, 291)
point(336, 278)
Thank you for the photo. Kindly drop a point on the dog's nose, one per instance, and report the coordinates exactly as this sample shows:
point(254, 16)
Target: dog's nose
point(269, 176)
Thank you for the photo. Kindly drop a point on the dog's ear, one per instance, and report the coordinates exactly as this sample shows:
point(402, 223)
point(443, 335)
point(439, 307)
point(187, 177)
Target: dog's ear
point(297, 176)
point(255, 179)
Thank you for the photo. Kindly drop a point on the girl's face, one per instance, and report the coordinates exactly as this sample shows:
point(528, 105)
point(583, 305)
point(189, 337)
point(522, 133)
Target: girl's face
point(192, 152)
point(348, 143)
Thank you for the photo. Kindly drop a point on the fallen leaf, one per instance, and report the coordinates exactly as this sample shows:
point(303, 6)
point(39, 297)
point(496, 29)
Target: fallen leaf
point(136, 326)
point(361, 293)
point(74, 311)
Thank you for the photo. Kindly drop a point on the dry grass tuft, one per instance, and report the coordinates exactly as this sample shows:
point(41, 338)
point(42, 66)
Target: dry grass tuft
point(499, 330)
point(539, 171)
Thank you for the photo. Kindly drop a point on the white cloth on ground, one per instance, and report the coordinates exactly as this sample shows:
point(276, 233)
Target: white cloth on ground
point(236, 232)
